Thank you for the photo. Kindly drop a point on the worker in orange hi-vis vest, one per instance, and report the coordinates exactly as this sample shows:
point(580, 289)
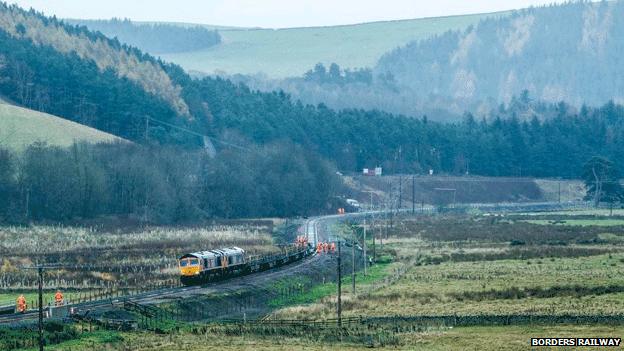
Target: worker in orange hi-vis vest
point(333, 247)
point(319, 247)
point(325, 247)
point(58, 299)
point(21, 304)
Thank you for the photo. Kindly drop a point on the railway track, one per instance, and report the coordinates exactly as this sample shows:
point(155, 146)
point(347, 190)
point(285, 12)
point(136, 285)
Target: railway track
point(317, 229)
point(310, 228)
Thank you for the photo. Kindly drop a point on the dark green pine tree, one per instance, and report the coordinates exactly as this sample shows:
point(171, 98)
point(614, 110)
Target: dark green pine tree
point(602, 181)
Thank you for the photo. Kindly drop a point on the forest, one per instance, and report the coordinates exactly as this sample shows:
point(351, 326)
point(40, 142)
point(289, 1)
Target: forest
point(525, 137)
point(156, 38)
point(511, 142)
point(162, 185)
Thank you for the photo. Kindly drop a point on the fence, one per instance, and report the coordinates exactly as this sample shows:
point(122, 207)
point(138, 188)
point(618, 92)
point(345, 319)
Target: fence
point(400, 322)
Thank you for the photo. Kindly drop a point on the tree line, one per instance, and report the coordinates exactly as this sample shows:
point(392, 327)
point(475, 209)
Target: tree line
point(69, 86)
point(512, 141)
point(165, 185)
point(156, 38)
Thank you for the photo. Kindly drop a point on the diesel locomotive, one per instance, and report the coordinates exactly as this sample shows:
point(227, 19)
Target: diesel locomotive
point(207, 266)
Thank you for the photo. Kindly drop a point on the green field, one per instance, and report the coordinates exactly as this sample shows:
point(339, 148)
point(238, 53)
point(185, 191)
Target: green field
point(20, 127)
point(291, 52)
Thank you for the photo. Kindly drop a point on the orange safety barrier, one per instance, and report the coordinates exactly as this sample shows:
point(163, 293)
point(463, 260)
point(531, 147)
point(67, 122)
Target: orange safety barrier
point(21, 304)
point(58, 299)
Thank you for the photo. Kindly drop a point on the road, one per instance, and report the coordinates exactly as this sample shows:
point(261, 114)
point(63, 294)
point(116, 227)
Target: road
point(317, 229)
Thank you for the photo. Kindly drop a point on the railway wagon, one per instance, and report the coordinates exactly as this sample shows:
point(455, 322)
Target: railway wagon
point(213, 265)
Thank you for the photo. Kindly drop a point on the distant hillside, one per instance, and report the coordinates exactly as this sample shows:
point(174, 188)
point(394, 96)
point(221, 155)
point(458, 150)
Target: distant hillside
point(571, 53)
point(291, 52)
point(155, 37)
point(20, 127)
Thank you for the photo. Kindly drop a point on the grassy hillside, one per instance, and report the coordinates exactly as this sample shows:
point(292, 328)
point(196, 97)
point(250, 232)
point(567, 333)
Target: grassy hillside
point(20, 127)
point(291, 52)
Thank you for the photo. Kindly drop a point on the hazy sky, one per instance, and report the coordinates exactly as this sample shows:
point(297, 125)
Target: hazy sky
point(270, 13)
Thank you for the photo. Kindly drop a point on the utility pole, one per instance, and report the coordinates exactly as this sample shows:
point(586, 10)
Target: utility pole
point(364, 245)
point(40, 280)
point(388, 220)
point(339, 307)
point(40, 269)
point(147, 128)
point(413, 193)
point(400, 178)
point(381, 228)
point(400, 192)
point(559, 189)
point(353, 264)
point(370, 192)
point(374, 246)
point(27, 207)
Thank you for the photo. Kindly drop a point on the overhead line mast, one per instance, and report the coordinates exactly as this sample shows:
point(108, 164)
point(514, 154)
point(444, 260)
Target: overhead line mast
point(40, 269)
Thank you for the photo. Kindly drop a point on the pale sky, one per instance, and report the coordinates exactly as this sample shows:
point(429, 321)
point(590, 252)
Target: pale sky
point(270, 13)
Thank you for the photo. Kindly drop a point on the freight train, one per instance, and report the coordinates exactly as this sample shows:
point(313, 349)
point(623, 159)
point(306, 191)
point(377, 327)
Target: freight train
point(207, 266)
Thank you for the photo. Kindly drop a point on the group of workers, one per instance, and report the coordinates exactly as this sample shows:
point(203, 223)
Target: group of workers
point(325, 248)
point(301, 241)
point(22, 305)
